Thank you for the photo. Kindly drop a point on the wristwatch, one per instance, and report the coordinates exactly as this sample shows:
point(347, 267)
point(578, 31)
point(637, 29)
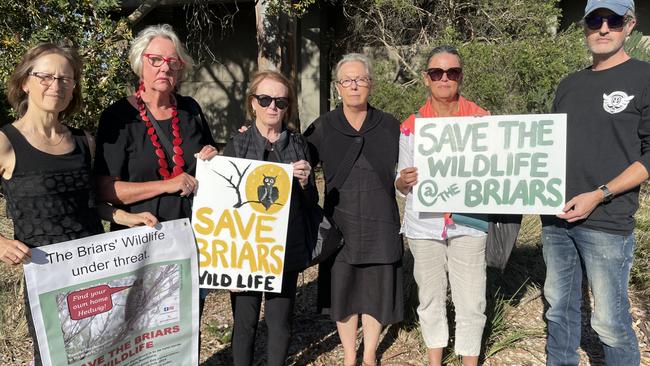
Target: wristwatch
point(608, 195)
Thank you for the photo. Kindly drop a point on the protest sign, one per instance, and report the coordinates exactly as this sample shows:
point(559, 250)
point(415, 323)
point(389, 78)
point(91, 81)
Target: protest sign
point(493, 164)
point(127, 298)
point(240, 217)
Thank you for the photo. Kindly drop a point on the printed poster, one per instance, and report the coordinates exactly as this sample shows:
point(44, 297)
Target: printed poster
point(492, 164)
point(240, 217)
point(127, 298)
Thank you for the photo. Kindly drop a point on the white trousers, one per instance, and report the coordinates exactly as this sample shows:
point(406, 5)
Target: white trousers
point(463, 258)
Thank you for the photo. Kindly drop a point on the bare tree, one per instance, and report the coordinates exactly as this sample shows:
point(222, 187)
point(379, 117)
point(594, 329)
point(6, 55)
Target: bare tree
point(205, 19)
point(132, 310)
point(235, 186)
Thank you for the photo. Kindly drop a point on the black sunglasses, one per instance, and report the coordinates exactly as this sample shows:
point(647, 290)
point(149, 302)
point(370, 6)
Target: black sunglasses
point(453, 73)
point(614, 21)
point(265, 101)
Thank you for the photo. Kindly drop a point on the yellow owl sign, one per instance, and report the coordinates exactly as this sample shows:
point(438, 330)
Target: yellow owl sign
point(268, 188)
point(240, 216)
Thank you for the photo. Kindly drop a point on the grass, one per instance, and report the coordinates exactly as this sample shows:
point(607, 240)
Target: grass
point(13, 325)
point(222, 332)
point(500, 332)
point(640, 275)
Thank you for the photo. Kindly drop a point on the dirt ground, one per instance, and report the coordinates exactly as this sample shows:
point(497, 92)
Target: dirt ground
point(315, 341)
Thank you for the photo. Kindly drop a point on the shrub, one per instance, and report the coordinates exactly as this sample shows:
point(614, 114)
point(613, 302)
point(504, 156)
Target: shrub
point(513, 77)
point(102, 43)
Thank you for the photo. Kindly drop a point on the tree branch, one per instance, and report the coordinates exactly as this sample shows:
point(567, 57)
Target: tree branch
point(142, 10)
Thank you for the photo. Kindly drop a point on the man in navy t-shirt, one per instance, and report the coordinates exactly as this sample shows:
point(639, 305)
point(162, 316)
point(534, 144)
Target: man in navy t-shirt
point(608, 157)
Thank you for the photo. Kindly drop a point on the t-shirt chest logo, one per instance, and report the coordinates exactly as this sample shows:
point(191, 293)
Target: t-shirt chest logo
point(616, 102)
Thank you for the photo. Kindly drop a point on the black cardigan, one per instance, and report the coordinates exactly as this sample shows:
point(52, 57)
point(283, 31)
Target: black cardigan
point(330, 137)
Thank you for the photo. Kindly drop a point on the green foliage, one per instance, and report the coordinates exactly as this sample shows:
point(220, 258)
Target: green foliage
point(511, 77)
point(512, 57)
point(102, 43)
point(637, 48)
point(420, 22)
point(520, 76)
point(398, 99)
point(292, 8)
point(222, 332)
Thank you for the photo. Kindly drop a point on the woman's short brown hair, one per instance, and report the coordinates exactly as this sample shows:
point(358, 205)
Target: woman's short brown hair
point(17, 96)
point(276, 76)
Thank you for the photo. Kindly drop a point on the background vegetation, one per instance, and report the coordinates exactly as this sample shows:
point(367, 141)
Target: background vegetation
point(101, 40)
point(514, 56)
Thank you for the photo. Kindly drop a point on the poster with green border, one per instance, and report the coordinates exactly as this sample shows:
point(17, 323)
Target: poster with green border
point(126, 298)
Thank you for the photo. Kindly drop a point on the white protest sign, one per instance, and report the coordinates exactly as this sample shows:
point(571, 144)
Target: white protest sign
point(492, 164)
point(240, 217)
point(128, 297)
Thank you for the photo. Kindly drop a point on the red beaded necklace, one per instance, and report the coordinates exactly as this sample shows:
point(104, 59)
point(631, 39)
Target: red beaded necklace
point(163, 169)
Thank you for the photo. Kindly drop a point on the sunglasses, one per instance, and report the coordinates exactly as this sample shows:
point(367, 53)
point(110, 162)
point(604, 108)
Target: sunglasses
point(453, 73)
point(175, 64)
point(265, 101)
point(614, 21)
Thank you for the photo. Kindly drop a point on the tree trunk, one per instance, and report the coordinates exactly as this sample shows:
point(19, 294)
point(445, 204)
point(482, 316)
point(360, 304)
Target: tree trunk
point(276, 41)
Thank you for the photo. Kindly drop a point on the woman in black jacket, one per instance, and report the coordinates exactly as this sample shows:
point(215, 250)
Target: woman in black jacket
point(357, 146)
point(271, 102)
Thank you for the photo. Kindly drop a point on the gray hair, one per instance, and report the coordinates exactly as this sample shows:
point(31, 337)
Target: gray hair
point(445, 48)
point(142, 40)
point(351, 57)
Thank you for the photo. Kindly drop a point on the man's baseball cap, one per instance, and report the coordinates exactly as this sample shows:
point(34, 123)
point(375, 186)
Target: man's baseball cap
point(619, 7)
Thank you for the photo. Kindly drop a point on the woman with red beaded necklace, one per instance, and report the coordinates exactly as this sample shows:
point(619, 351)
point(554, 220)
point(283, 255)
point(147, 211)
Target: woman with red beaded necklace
point(147, 143)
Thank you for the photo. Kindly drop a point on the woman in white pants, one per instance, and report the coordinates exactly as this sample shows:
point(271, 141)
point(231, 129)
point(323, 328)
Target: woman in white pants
point(443, 250)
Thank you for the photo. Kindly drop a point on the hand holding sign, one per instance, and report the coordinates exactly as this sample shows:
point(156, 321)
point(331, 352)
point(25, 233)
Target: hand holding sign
point(408, 178)
point(581, 206)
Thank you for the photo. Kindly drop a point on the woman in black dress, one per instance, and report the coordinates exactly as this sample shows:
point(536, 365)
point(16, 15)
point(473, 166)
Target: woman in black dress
point(357, 146)
point(45, 165)
point(271, 102)
point(146, 143)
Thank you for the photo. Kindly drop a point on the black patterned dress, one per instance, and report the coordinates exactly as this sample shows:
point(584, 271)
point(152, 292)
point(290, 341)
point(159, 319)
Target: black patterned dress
point(49, 197)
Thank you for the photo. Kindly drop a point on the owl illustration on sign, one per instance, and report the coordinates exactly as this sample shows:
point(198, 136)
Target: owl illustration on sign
point(267, 193)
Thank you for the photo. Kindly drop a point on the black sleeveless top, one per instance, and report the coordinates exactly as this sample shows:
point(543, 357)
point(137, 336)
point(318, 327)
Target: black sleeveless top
point(49, 197)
